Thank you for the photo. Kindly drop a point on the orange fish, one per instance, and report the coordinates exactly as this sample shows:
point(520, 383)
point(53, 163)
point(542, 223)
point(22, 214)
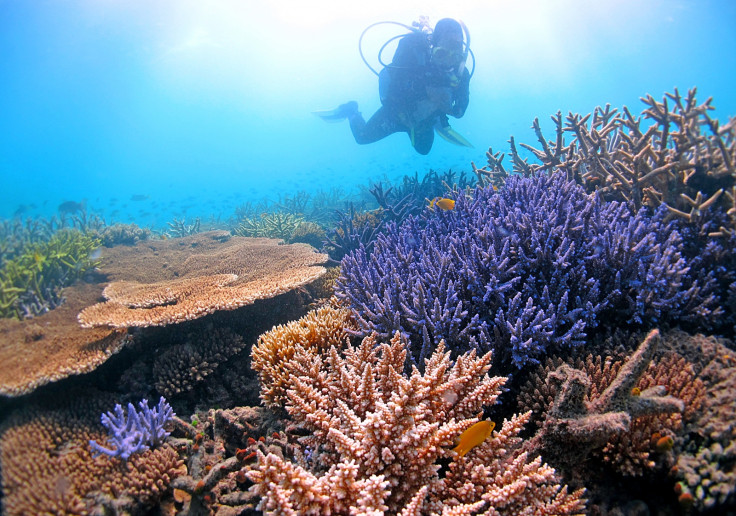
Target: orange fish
point(442, 203)
point(474, 436)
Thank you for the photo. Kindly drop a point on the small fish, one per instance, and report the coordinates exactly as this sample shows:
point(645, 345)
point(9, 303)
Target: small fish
point(138, 197)
point(442, 203)
point(664, 444)
point(636, 391)
point(474, 436)
point(71, 207)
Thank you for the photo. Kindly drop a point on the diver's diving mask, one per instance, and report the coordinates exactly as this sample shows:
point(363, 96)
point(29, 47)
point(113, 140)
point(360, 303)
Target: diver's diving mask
point(446, 58)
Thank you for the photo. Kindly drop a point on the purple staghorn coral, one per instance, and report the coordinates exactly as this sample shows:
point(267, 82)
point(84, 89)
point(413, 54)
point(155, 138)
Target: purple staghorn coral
point(524, 270)
point(135, 432)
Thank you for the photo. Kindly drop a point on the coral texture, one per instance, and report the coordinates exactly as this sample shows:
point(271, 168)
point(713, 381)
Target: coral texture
point(196, 276)
point(634, 451)
point(377, 436)
point(591, 421)
point(684, 159)
point(52, 346)
point(319, 330)
point(136, 431)
point(527, 270)
point(48, 467)
point(181, 366)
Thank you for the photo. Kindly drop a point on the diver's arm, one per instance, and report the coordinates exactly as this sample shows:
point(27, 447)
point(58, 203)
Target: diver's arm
point(461, 96)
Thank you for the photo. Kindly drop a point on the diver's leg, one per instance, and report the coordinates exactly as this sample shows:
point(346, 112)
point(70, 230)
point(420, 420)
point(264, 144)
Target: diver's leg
point(380, 125)
point(423, 139)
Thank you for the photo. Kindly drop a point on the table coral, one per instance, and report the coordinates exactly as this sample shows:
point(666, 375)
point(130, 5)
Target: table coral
point(52, 346)
point(377, 436)
point(161, 283)
point(525, 270)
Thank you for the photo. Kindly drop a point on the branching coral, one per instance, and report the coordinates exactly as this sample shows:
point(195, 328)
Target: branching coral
point(377, 436)
point(685, 159)
point(597, 421)
point(135, 431)
point(528, 269)
point(633, 451)
point(30, 283)
point(319, 330)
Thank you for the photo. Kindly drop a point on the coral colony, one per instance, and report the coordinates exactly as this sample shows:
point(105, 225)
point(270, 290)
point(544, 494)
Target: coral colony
point(135, 432)
point(524, 270)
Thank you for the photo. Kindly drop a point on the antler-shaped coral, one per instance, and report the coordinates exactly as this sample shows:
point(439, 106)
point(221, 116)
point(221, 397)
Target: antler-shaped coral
point(589, 425)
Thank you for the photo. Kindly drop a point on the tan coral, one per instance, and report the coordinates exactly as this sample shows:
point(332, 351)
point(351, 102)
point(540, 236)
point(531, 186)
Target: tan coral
point(624, 438)
point(186, 278)
point(48, 467)
point(52, 346)
point(379, 434)
point(320, 329)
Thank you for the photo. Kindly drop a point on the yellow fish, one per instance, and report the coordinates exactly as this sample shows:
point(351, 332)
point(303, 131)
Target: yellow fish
point(442, 203)
point(474, 436)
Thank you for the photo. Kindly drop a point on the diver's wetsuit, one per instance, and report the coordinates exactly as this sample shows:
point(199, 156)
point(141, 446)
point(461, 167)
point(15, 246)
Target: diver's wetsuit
point(415, 96)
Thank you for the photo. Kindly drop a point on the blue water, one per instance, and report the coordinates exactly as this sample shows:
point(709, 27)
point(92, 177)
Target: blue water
point(201, 106)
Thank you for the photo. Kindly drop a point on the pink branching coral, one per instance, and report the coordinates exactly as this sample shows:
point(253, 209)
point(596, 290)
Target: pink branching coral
point(377, 435)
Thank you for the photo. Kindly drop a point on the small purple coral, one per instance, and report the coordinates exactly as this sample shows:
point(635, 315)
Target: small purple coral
point(135, 432)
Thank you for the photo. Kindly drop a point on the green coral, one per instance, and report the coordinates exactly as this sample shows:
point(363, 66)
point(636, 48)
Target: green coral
point(31, 281)
point(269, 225)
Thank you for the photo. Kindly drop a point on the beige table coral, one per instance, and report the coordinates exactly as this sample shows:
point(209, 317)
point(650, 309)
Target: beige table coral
point(157, 283)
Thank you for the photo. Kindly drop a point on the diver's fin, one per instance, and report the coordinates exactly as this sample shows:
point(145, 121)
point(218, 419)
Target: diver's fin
point(452, 136)
point(341, 112)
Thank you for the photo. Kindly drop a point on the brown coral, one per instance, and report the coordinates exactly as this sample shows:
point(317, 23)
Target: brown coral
point(612, 408)
point(52, 346)
point(320, 329)
point(181, 366)
point(166, 282)
point(685, 159)
point(379, 434)
point(48, 467)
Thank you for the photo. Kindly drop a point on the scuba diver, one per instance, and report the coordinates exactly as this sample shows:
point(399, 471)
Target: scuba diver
point(425, 82)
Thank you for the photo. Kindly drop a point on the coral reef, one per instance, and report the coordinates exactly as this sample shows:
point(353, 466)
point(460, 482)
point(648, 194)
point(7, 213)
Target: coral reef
point(53, 346)
point(577, 415)
point(376, 436)
point(181, 366)
point(48, 467)
point(123, 234)
point(319, 330)
point(526, 270)
point(190, 277)
point(30, 283)
point(180, 228)
point(672, 162)
point(134, 432)
point(634, 451)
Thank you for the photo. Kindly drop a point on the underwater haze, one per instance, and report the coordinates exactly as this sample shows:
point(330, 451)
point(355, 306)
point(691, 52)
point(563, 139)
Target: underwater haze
point(150, 110)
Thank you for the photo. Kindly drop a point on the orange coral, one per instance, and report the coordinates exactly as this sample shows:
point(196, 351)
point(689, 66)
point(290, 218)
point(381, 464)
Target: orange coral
point(319, 329)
